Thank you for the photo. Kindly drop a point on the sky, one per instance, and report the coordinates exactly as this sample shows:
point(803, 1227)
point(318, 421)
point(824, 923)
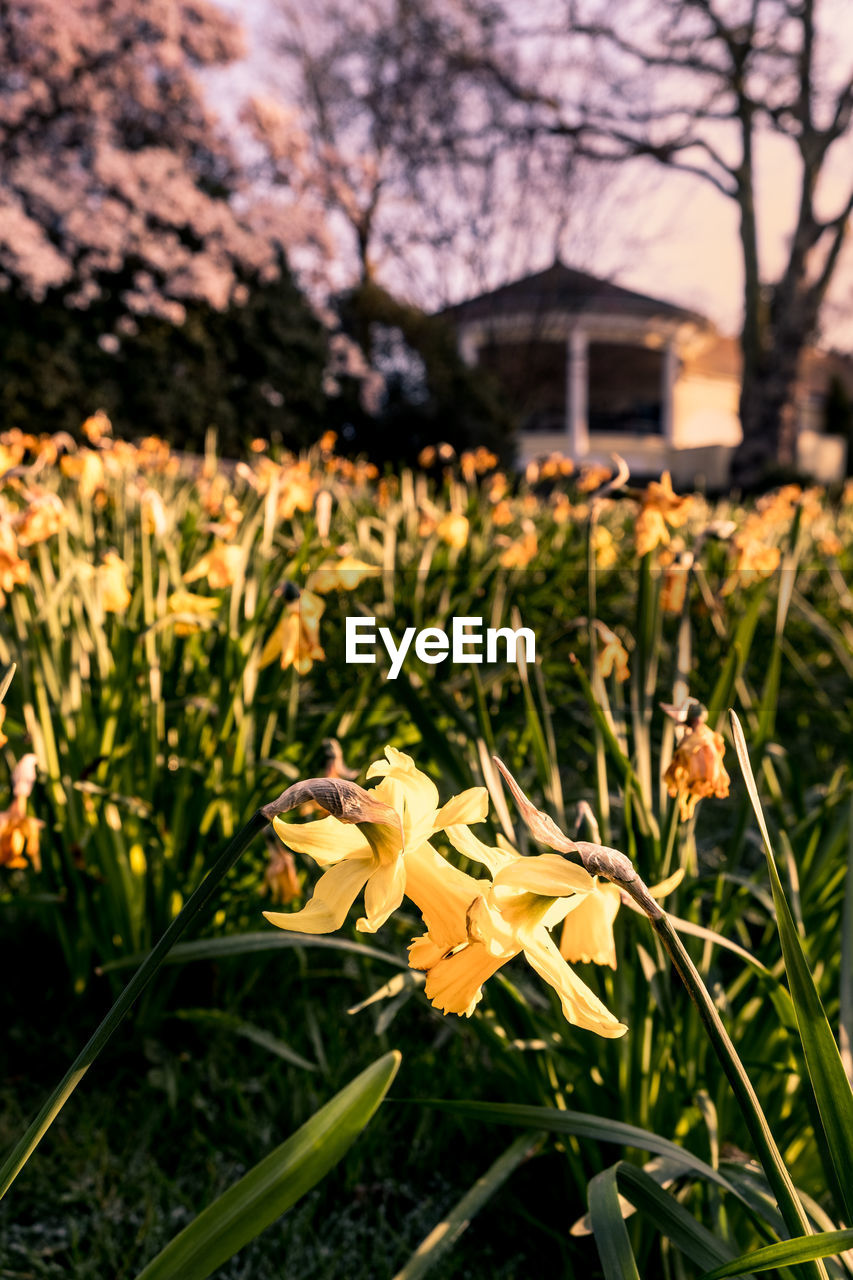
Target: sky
point(661, 233)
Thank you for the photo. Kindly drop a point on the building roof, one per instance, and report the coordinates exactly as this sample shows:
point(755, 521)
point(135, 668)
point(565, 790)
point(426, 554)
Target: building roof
point(561, 288)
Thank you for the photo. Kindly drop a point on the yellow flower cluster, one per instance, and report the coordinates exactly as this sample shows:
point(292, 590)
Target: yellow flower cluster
point(472, 927)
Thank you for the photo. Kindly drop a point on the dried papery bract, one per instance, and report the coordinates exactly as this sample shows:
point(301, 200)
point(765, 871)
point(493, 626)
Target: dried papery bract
point(597, 859)
point(344, 800)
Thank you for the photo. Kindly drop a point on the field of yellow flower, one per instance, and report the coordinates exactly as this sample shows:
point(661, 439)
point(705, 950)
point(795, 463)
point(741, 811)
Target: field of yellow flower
point(178, 631)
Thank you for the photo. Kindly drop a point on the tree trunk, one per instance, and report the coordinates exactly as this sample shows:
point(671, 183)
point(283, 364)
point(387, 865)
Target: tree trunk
point(768, 417)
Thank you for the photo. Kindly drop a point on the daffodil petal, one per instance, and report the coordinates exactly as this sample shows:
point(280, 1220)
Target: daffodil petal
point(383, 895)
point(466, 842)
point(469, 806)
point(546, 874)
point(587, 936)
point(455, 984)
point(327, 840)
point(442, 893)
point(581, 1006)
point(424, 953)
point(334, 894)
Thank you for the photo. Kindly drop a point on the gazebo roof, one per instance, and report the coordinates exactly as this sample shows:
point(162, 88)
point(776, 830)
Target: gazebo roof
point(561, 288)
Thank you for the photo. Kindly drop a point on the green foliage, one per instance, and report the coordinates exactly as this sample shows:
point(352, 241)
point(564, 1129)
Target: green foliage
point(148, 738)
point(431, 394)
point(251, 371)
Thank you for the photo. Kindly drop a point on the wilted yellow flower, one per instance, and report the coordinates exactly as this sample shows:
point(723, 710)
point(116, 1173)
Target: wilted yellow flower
point(297, 488)
point(453, 529)
point(112, 580)
point(19, 839)
point(296, 639)
point(474, 927)
point(755, 558)
point(673, 592)
point(219, 566)
point(593, 477)
point(340, 575)
point(661, 507)
point(43, 517)
point(372, 854)
point(97, 427)
point(184, 602)
point(19, 833)
point(14, 571)
point(280, 879)
point(11, 453)
point(696, 769)
point(612, 659)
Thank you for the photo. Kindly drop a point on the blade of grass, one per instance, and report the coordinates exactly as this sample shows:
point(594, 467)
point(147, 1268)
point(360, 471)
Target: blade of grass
point(670, 1217)
point(825, 1244)
point(608, 1227)
point(242, 944)
point(832, 1089)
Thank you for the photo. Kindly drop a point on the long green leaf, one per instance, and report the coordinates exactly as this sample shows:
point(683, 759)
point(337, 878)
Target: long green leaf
point(826, 1244)
point(444, 1236)
point(608, 1227)
point(832, 1089)
point(277, 1182)
point(670, 1217)
point(582, 1125)
point(242, 944)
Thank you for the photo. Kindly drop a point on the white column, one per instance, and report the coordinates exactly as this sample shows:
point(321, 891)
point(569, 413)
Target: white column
point(577, 383)
point(668, 374)
point(469, 346)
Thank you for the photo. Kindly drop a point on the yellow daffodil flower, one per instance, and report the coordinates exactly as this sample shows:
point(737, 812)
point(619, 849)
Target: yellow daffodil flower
point(587, 936)
point(374, 854)
point(612, 658)
point(219, 566)
point(186, 603)
point(475, 926)
point(296, 639)
point(13, 570)
point(453, 529)
point(521, 550)
point(44, 516)
point(340, 575)
point(661, 507)
point(112, 579)
point(85, 467)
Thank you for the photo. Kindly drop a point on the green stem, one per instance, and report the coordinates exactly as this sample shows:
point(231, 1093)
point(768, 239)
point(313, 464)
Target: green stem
point(771, 1159)
point(19, 1156)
